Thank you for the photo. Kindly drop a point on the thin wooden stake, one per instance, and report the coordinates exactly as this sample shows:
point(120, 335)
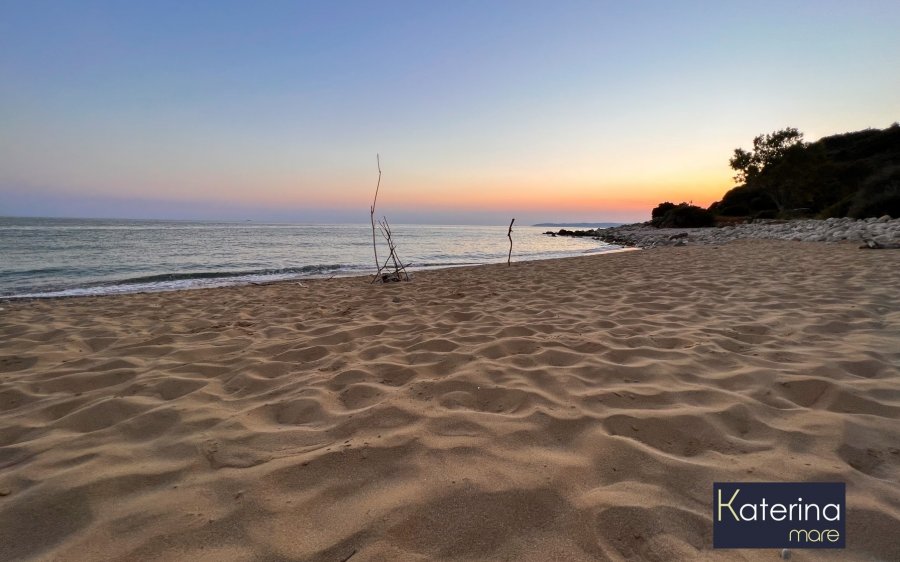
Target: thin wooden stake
point(509, 235)
point(372, 212)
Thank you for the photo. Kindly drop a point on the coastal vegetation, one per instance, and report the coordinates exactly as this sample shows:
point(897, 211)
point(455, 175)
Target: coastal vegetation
point(855, 175)
point(683, 215)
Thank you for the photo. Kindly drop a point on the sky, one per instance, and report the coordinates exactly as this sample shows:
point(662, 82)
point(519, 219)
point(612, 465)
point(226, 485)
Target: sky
point(480, 110)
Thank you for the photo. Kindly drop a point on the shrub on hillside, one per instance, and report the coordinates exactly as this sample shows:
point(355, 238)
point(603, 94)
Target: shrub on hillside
point(880, 195)
point(683, 215)
point(851, 174)
point(743, 201)
point(660, 211)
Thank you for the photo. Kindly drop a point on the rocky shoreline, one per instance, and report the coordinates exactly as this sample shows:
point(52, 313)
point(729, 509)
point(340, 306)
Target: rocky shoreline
point(883, 231)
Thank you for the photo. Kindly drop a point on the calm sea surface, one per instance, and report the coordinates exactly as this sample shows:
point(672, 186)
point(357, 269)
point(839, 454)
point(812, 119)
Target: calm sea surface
point(61, 257)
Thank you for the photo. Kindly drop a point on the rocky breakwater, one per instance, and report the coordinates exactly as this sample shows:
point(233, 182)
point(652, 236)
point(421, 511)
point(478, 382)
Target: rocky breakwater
point(883, 231)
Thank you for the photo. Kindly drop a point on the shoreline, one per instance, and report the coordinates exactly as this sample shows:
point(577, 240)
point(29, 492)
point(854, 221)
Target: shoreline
point(38, 297)
point(574, 408)
point(883, 231)
point(78, 257)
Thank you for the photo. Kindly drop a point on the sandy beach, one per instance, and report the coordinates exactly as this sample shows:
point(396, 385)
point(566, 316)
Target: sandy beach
point(572, 409)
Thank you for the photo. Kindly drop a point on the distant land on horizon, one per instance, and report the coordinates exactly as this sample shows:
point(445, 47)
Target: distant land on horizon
point(582, 224)
point(284, 221)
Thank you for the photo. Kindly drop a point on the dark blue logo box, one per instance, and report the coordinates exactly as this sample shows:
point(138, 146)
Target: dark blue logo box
point(779, 514)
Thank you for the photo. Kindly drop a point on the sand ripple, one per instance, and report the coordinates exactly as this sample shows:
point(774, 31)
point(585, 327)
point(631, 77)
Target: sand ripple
point(575, 409)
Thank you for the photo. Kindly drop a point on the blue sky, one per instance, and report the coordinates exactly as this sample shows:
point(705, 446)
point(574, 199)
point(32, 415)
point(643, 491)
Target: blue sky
point(480, 110)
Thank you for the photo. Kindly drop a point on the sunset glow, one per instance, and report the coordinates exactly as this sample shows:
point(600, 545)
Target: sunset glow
point(583, 111)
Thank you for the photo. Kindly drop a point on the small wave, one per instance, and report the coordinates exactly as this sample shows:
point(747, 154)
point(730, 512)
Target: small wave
point(190, 280)
point(444, 263)
point(199, 275)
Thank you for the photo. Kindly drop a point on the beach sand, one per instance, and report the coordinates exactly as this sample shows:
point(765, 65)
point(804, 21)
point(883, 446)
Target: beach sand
point(573, 409)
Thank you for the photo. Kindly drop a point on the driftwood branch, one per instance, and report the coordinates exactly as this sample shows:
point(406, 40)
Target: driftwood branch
point(509, 235)
point(399, 270)
point(873, 245)
point(399, 273)
point(372, 211)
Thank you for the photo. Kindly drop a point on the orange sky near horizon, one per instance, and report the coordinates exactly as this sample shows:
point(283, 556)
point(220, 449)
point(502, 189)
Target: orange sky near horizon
point(534, 187)
point(592, 200)
point(468, 197)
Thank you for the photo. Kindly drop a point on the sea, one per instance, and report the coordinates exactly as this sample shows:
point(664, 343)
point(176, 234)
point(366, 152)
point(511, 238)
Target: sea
point(53, 257)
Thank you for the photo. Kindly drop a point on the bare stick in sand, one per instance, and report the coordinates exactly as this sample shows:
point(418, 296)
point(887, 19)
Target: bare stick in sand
point(400, 273)
point(509, 235)
point(372, 214)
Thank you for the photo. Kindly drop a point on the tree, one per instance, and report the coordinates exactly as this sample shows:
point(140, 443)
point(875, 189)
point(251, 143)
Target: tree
point(851, 174)
point(770, 165)
point(767, 151)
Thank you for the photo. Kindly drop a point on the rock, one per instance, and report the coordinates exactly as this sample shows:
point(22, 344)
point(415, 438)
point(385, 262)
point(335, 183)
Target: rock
point(830, 231)
point(564, 232)
point(884, 218)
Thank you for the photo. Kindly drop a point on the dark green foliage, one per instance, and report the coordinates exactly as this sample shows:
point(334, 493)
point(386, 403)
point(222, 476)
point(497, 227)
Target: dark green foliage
point(876, 144)
point(853, 174)
point(884, 203)
point(879, 196)
point(743, 201)
point(682, 215)
point(767, 150)
point(837, 210)
point(661, 210)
